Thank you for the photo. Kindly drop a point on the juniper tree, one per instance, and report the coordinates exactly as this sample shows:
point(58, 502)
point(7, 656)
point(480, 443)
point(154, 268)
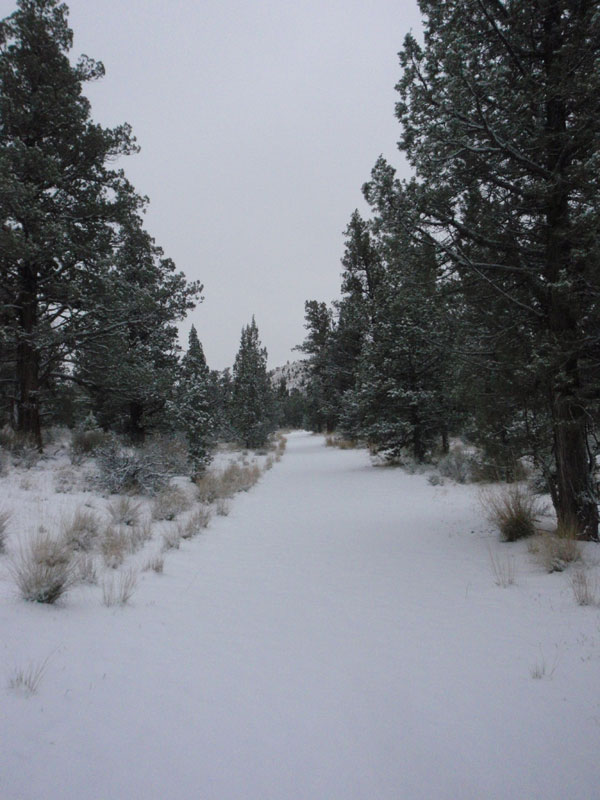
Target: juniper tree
point(500, 110)
point(252, 412)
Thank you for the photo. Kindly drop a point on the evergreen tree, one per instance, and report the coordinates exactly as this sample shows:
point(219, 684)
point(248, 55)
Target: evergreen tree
point(252, 395)
point(194, 404)
point(322, 400)
point(61, 206)
point(500, 110)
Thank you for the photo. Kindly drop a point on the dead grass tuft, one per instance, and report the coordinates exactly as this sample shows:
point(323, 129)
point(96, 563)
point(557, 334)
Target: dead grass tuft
point(503, 568)
point(124, 511)
point(170, 502)
point(81, 531)
point(118, 590)
point(196, 523)
point(26, 680)
point(585, 588)
point(556, 550)
point(114, 546)
point(85, 569)
point(171, 540)
point(156, 563)
point(43, 569)
point(513, 510)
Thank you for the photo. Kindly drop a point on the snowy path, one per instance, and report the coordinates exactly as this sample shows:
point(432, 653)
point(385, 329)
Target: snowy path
point(337, 637)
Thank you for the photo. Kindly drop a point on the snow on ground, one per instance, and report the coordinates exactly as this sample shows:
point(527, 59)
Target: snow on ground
point(339, 635)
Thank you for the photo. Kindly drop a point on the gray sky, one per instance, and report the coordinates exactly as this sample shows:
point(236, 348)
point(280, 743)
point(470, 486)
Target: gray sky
point(259, 121)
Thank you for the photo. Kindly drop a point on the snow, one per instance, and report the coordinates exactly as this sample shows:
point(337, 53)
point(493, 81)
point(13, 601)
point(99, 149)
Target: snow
point(339, 635)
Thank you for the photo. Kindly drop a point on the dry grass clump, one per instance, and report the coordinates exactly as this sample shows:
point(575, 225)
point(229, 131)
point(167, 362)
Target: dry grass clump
point(124, 511)
point(513, 510)
point(139, 535)
point(503, 568)
point(558, 549)
point(84, 443)
point(26, 680)
point(585, 588)
point(222, 507)
point(81, 531)
point(118, 590)
point(171, 540)
point(4, 517)
point(235, 478)
point(85, 569)
point(170, 502)
point(65, 480)
point(114, 545)
point(196, 523)
point(156, 563)
point(269, 463)
point(43, 569)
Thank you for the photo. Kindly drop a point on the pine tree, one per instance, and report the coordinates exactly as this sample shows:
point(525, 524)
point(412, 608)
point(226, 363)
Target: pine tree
point(60, 203)
point(252, 396)
point(500, 111)
point(194, 406)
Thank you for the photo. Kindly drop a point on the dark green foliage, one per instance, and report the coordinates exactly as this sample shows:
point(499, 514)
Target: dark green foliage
point(195, 410)
point(252, 401)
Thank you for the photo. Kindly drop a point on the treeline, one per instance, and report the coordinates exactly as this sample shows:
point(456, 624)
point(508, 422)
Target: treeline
point(89, 304)
point(470, 296)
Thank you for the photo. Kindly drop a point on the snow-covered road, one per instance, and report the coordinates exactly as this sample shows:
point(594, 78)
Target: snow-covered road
point(338, 636)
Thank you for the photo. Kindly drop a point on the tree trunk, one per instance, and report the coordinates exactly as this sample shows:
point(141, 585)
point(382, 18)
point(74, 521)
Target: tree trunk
point(135, 429)
point(27, 361)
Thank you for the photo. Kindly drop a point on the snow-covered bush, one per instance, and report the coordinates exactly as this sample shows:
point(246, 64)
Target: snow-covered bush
point(458, 465)
point(124, 469)
point(43, 569)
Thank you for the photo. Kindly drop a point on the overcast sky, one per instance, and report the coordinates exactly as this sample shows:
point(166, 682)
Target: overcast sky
point(259, 121)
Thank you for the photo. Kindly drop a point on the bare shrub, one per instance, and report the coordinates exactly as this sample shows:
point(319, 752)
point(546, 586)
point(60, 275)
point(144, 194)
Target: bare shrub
point(123, 511)
point(156, 563)
point(222, 507)
point(559, 549)
point(43, 569)
point(81, 531)
point(26, 680)
point(513, 511)
point(197, 522)
point(170, 451)
point(170, 502)
point(238, 478)
point(4, 517)
point(585, 589)
point(118, 590)
point(114, 545)
point(171, 540)
point(503, 568)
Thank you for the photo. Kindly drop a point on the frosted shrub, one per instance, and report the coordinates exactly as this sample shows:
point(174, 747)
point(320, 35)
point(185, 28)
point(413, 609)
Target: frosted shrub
point(43, 569)
point(124, 511)
point(513, 511)
point(457, 465)
point(129, 469)
point(81, 531)
point(170, 502)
